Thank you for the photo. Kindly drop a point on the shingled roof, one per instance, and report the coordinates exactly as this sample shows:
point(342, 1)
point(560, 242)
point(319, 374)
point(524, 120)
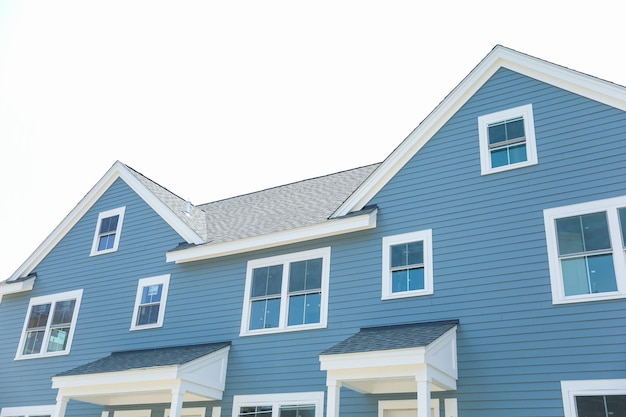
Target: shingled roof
point(146, 358)
point(303, 203)
point(403, 336)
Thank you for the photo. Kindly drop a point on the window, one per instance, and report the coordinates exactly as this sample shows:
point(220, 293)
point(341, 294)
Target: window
point(594, 398)
point(407, 265)
point(49, 325)
point(34, 411)
point(150, 302)
point(285, 293)
point(306, 404)
point(396, 408)
point(586, 250)
point(107, 235)
point(507, 140)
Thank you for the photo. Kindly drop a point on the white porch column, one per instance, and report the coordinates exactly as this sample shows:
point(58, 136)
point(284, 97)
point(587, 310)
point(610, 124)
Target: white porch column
point(61, 406)
point(334, 389)
point(177, 402)
point(423, 398)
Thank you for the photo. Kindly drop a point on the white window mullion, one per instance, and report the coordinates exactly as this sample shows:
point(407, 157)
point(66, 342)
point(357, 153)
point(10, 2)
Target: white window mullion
point(284, 300)
point(619, 262)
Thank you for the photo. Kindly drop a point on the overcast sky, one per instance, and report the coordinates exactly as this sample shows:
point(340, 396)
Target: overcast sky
point(215, 99)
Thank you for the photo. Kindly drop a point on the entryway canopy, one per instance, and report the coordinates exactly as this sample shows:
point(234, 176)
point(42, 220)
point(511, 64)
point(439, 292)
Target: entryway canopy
point(149, 376)
point(407, 358)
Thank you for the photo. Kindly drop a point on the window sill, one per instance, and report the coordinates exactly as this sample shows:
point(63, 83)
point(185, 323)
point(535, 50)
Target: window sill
point(283, 330)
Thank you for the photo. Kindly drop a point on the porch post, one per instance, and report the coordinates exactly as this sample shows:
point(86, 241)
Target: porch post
point(177, 402)
point(423, 398)
point(61, 406)
point(334, 389)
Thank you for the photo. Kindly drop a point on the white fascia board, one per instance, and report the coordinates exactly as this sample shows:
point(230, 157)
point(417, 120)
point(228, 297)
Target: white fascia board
point(329, 228)
point(118, 170)
point(155, 377)
point(364, 360)
point(15, 287)
point(585, 85)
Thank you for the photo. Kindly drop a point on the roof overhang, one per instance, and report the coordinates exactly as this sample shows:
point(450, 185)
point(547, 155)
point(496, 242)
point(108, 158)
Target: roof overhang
point(13, 287)
point(396, 370)
point(202, 379)
point(347, 224)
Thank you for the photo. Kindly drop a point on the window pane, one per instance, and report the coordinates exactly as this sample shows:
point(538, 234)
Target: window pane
point(109, 224)
point(63, 312)
point(264, 314)
point(407, 254)
point(148, 314)
point(305, 275)
point(304, 309)
point(416, 279)
point(151, 294)
point(591, 406)
point(517, 153)
point(297, 411)
point(399, 281)
point(515, 128)
point(588, 275)
point(575, 280)
point(267, 280)
point(261, 411)
point(596, 231)
point(497, 133)
point(58, 339)
point(33, 342)
point(583, 233)
point(616, 405)
point(38, 316)
point(499, 157)
point(106, 242)
point(622, 222)
point(601, 273)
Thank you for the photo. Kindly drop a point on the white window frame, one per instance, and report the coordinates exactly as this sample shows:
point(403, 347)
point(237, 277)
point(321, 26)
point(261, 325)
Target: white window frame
point(146, 282)
point(132, 413)
point(118, 231)
point(35, 410)
point(188, 412)
point(53, 298)
point(425, 236)
point(526, 112)
point(610, 206)
point(572, 389)
point(385, 405)
point(285, 260)
point(278, 400)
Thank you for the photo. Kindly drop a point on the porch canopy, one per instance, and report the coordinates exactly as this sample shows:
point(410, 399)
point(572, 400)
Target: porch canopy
point(407, 358)
point(163, 375)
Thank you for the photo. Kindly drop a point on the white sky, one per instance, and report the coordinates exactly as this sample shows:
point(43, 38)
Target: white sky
point(214, 99)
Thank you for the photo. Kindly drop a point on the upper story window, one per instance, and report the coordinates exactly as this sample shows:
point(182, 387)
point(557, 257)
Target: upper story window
point(601, 398)
point(49, 325)
point(108, 229)
point(586, 250)
point(150, 301)
point(507, 140)
point(288, 292)
point(305, 404)
point(407, 265)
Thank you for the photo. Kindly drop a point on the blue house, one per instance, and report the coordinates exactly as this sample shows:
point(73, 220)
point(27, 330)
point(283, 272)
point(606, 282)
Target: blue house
point(479, 270)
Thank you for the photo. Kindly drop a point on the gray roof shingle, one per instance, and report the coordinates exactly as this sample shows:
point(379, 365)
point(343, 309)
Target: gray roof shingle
point(146, 358)
point(402, 336)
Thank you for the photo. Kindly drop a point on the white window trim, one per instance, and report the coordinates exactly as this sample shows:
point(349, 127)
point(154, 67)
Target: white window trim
point(423, 235)
point(118, 232)
point(550, 216)
point(526, 112)
point(77, 295)
point(188, 411)
point(144, 282)
point(385, 405)
point(277, 400)
point(35, 410)
point(132, 413)
point(323, 253)
point(572, 389)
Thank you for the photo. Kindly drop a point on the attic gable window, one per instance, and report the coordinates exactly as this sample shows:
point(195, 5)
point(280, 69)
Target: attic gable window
point(286, 293)
point(507, 140)
point(49, 325)
point(108, 229)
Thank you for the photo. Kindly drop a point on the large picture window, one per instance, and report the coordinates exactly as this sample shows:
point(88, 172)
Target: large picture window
point(287, 292)
point(49, 326)
point(586, 250)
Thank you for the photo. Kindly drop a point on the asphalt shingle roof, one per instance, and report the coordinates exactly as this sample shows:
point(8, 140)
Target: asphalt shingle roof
point(371, 339)
point(146, 358)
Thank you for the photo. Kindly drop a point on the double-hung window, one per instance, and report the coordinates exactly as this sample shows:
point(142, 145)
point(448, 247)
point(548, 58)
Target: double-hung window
point(594, 398)
point(407, 265)
point(507, 139)
point(306, 404)
point(49, 326)
point(108, 230)
point(288, 292)
point(149, 310)
point(586, 250)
